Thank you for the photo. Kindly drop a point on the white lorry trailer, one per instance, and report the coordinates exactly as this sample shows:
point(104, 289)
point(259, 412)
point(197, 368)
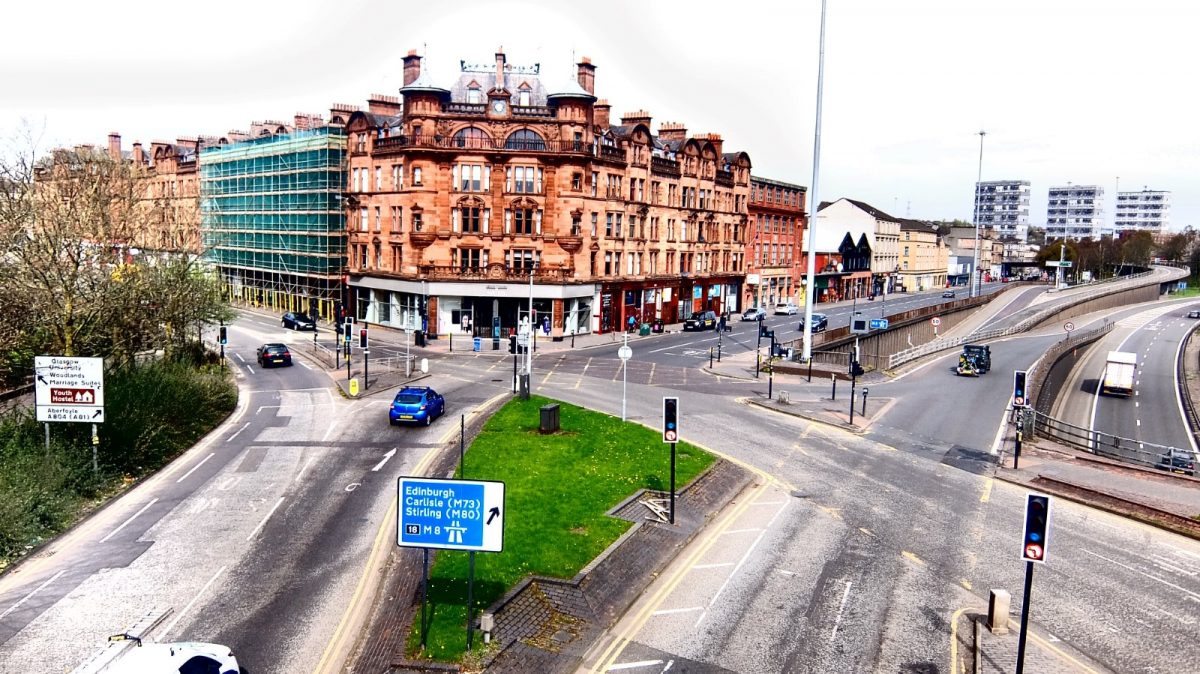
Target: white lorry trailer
point(1118, 373)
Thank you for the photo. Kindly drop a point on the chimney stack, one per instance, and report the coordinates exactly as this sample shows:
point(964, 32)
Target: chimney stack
point(586, 74)
point(715, 139)
point(601, 110)
point(412, 67)
point(672, 131)
point(139, 157)
point(378, 104)
point(636, 117)
point(114, 146)
point(500, 84)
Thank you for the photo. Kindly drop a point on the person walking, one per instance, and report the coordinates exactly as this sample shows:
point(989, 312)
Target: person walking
point(631, 322)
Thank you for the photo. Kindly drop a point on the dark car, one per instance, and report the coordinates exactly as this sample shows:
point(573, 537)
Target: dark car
point(705, 320)
point(416, 405)
point(298, 321)
point(1178, 461)
point(270, 355)
point(1194, 313)
point(820, 323)
point(948, 293)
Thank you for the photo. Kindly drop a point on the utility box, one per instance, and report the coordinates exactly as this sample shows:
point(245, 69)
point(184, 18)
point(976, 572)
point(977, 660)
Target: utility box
point(999, 602)
point(549, 419)
point(419, 337)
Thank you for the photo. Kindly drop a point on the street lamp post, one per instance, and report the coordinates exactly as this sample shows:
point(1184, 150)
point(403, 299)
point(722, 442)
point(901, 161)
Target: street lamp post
point(976, 275)
point(814, 204)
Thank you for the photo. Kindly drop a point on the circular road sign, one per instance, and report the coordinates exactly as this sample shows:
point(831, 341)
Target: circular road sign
point(1033, 551)
point(1068, 326)
point(671, 436)
point(624, 353)
point(936, 321)
point(1018, 401)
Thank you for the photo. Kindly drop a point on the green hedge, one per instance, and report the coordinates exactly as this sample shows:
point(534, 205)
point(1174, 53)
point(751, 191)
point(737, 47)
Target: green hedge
point(154, 412)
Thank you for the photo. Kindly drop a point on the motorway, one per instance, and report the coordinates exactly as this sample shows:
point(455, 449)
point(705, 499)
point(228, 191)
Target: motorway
point(851, 554)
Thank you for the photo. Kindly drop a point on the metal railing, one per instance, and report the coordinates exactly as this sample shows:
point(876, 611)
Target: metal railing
point(942, 344)
point(1110, 446)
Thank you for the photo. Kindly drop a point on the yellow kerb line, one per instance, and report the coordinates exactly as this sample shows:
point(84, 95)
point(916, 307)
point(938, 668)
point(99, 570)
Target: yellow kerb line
point(954, 640)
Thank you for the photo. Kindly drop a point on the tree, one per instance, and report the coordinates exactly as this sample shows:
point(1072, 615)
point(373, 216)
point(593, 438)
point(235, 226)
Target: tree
point(1176, 247)
point(71, 281)
point(1136, 247)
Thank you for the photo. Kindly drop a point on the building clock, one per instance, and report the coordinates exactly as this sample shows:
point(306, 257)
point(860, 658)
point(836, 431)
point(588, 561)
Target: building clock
point(498, 106)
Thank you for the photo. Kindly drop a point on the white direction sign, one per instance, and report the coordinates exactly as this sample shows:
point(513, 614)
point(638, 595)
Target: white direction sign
point(69, 389)
point(624, 353)
point(450, 514)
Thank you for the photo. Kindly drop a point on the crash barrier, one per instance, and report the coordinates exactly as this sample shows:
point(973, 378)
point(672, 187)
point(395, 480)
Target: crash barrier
point(1045, 377)
point(1185, 393)
point(1093, 290)
point(1107, 445)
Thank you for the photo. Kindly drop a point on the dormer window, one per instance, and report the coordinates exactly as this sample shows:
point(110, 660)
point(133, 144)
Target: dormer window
point(523, 97)
point(474, 94)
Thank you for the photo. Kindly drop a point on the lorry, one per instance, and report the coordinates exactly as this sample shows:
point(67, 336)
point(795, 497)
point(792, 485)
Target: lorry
point(976, 359)
point(1118, 373)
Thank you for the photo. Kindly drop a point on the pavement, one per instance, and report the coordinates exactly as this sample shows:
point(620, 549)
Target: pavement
point(1168, 501)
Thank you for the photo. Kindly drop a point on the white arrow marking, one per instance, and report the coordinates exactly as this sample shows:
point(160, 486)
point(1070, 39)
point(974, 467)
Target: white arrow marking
point(385, 460)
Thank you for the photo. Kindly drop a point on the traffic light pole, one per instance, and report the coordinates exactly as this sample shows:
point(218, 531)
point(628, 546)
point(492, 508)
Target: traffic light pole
point(672, 517)
point(1024, 617)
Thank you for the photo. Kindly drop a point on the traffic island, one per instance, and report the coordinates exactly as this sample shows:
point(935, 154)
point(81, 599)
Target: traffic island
point(582, 537)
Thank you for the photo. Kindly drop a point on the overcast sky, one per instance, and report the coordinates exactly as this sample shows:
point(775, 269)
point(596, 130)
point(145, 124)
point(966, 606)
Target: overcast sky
point(1079, 91)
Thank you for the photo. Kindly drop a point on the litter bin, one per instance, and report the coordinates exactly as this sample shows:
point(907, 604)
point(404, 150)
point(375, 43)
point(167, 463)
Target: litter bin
point(658, 326)
point(644, 330)
point(478, 344)
point(419, 337)
point(549, 419)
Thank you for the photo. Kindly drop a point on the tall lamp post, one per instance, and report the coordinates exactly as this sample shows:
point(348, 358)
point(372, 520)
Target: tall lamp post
point(976, 274)
point(814, 204)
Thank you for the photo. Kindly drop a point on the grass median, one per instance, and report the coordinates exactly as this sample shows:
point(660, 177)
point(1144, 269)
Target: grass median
point(558, 488)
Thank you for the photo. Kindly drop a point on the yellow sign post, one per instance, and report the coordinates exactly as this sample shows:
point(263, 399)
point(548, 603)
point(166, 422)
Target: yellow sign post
point(354, 387)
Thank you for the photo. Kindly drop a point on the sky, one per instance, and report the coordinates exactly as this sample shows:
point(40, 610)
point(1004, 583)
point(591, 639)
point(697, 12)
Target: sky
point(1068, 91)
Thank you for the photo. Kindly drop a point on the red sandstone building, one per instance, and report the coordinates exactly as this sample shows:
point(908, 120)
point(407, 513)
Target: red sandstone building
point(774, 260)
point(464, 200)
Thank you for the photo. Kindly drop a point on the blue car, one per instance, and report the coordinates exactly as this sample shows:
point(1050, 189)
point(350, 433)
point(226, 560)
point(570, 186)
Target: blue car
point(416, 405)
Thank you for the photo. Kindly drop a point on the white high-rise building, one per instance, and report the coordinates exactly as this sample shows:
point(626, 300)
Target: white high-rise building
point(1149, 210)
point(1004, 206)
point(1076, 212)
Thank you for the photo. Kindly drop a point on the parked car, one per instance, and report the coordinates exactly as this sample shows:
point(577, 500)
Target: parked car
point(705, 320)
point(820, 323)
point(1178, 461)
point(786, 309)
point(298, 321)
point(1194, 313)
point(180, 656)
point(948, 293)
point(270, 355)
point(754, 314)
point(416, 405)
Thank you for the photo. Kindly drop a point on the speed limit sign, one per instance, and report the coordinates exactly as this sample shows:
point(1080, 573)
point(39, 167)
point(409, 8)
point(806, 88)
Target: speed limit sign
point(936, 321)
point(1068, 326)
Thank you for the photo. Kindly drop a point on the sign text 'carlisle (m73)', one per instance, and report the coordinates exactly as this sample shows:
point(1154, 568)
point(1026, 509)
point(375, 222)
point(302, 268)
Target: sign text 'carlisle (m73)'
point(450, 514)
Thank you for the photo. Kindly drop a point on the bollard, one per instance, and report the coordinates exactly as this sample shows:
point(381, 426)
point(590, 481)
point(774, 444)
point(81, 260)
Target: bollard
point(810, 360)
point(710, 357)
point(999, 602)
point(864, 409)
point(833, 396)
point(451, 342)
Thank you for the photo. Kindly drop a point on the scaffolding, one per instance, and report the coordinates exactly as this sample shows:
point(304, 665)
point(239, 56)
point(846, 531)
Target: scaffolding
point(272, 220)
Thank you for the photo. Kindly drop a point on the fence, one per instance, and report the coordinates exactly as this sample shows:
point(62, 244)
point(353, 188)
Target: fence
point(1107, 445)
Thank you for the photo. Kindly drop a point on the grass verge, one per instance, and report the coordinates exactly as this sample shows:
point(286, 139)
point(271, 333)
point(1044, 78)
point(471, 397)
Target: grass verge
point(558, 488)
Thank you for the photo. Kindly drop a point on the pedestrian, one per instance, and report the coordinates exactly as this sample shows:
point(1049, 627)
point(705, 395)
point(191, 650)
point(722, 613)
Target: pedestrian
point(632, 322)
point(721, 324)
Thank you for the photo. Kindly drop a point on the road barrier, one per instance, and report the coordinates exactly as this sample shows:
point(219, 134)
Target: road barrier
point(1127, 450)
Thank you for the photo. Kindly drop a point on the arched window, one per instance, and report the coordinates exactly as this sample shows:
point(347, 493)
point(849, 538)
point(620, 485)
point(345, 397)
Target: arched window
point(472, 137)
point(524, 139)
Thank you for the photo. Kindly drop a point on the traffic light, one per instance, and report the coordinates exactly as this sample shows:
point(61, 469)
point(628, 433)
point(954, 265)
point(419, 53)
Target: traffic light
point(856, 369)
point(223, 336)
point(670, 419)
point(362, 338)
point(1037, 527)
point(1019, 397)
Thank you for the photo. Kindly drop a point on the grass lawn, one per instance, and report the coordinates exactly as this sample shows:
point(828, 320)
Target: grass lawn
point(557, 490)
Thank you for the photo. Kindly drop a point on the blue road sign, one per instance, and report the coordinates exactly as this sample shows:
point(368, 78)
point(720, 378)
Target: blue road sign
point(879, 324)
point(450, 514)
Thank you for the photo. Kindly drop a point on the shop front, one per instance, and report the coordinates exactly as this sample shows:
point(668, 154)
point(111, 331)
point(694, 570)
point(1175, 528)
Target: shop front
point(667, 301)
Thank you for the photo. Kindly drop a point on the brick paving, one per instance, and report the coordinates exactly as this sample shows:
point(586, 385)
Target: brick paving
point(998, 652)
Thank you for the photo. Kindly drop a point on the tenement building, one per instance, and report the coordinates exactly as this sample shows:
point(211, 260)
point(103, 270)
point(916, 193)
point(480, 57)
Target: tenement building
point(1148, 210)
point(466, 200)
point(1003, 205)
point(774, 263)
point(1075, 212)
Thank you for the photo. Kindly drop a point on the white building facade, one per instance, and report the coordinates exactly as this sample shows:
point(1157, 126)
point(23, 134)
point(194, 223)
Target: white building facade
point(1075, 212)
point(1004, 206)
point(1148, 210)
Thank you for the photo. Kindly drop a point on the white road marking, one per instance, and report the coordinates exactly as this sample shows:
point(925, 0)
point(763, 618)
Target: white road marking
point(239, 357)
point(167, 629)
point(224, 486)
point(741, 531)
point(384, 460)
point(264, 520)
point(712, 566)
point(733, 573)
point(634, 665)
point(669, 611)
point(1190, 595)
point(37, 589)
point(250, 369)
point(304, 468)
point(328, 432)
point(239, 432)
point(304, 365)
point(131, 518)
point(185, 475)
point(837, 622)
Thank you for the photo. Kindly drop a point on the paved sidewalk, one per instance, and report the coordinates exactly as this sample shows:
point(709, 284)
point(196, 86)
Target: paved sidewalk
point(997, 653)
